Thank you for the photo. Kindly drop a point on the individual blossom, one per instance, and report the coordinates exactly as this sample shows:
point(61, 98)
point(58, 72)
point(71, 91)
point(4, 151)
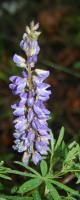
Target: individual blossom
point(32, 134)
point(20, 62)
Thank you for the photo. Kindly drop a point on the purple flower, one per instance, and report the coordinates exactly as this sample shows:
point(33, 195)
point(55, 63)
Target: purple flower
point(43, 74)
point(38, 124)
point(42, 147)
point(31, 128)
point(36, 158)
point(32, 59)
point(31, 48)
point(19, 146)
point(30, 101)
point(20, 62)
point(40, 113)
point(18, 84)
point(18, 134)
point(20, 123)
point(25, 42)
point(43, 94)
point(23, 100)
point(31, 135)
point(30, 115)
point(18, 110)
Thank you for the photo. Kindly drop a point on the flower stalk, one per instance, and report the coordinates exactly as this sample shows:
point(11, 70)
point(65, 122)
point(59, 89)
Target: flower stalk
point(32, 133)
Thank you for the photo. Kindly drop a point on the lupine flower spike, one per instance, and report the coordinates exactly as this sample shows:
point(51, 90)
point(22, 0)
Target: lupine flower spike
point(31, 133)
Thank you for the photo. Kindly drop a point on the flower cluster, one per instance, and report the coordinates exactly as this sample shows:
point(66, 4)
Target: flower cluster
point(31, 127)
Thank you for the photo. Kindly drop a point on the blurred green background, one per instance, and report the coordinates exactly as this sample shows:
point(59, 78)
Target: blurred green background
point(60, 53)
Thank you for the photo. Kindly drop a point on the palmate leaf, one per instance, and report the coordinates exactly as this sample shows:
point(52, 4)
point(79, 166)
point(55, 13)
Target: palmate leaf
point(36, 195)
point(6, 197)
point(43, 167)
point(29, 185)
point(65, 187)
point(27, 167)
point(53, 191)
point(60, 138)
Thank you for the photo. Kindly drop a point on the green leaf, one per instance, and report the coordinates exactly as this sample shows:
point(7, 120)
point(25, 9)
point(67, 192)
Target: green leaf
point(27, 167)
point(53, 191)
point(4, 169)
point(21, 173)
point(4, 177)
point(36, 195)
point(52, 142)
point(49, 197)
point(43, 167)
point(72, 154)
point(65, 187)
point(60, 138)
point(29, 185)
point(15, 197)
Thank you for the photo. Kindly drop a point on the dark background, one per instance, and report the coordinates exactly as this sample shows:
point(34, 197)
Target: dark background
point(60, 53)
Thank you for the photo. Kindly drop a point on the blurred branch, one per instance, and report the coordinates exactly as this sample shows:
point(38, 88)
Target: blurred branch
point(60, 68)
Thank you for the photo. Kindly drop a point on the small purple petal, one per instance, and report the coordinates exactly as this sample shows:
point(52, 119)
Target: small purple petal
point(20, 62)
point(30, 115)
point(36, 158)
point(31, 135)
point(32, 59)
point(30, 101)
point(19, 146)
point(42, 73)
point(24, 73)
point(42, 147)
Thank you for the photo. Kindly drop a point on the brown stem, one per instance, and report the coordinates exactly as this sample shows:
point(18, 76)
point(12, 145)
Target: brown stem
point(68, 178)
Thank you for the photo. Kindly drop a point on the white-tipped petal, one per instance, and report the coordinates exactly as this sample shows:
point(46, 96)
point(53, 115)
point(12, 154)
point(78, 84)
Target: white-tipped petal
point(20, 61)
point(28, 30)
point(42, 73)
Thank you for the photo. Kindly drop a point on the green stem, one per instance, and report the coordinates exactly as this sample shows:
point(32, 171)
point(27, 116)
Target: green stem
point(51, 164)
